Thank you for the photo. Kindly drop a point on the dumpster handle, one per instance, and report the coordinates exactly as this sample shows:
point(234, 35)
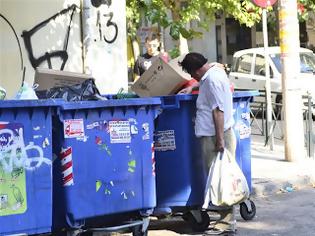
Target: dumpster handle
point(170, 102)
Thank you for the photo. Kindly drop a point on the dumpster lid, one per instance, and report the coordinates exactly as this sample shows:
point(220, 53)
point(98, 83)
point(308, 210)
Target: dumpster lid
point(110, 103)
point(30, 103)
point(181, 97)
point(249, 93)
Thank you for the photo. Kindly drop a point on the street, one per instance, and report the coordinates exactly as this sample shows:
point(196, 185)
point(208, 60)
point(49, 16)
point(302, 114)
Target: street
point(283, 214)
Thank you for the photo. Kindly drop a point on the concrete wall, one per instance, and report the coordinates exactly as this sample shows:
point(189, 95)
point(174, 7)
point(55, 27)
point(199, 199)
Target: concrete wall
point(206, 45)
point(100, 55)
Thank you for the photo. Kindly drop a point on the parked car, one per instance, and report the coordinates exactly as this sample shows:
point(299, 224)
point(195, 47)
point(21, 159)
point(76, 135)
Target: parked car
point(248, 71)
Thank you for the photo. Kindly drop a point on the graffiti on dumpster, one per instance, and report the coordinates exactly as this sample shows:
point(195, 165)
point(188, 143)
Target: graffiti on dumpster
point(109, 35)
point(107, 186)
point(15, 159)
point(132, 166)
point(47, 56)
point(14, 152)
point(102, 145)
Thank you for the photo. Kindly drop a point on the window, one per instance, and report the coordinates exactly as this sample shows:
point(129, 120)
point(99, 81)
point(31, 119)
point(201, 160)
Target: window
point(260, 66)
point(243, 64)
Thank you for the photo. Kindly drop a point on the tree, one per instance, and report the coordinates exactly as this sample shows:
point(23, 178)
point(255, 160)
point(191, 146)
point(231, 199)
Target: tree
point(305, 7)
point(202, 11)
point(183, 12)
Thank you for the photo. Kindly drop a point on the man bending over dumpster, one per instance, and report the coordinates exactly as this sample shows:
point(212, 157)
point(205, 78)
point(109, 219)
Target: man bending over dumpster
point(214, 121)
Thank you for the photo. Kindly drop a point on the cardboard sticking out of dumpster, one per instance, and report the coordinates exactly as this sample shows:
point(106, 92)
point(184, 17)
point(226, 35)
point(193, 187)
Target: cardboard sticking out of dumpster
point(161, 79)
point(48, 78)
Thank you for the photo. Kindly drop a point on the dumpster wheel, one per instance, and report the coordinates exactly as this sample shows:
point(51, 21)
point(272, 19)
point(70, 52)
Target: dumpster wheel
point(195, 225)
point(137, 231)
point(245, 212)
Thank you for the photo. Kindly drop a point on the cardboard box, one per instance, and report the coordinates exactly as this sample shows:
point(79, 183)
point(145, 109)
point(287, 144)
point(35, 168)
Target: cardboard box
point(48, 78)
point(161, 79)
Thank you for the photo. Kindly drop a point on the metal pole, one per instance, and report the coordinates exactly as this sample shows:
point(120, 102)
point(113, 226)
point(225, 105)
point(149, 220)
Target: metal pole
point(292, 96)
point(269, 133)
point(86, 32)
point(310, 149)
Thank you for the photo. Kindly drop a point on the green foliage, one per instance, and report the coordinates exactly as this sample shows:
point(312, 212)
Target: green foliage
point(184, 12)
point(174, 52)
point(304, 8)
point(133, 14)
point(200, 11)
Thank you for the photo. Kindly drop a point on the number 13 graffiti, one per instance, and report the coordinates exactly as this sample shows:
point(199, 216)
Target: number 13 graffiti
point(109, 23)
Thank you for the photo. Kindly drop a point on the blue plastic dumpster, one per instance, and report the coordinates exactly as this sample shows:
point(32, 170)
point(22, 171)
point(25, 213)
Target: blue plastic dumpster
point(242, 130)
point(105, 163)
point(180, 171)
point(180, 175)
point(25, 167)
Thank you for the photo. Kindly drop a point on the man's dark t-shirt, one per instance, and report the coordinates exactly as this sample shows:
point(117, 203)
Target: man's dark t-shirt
point(143, 63)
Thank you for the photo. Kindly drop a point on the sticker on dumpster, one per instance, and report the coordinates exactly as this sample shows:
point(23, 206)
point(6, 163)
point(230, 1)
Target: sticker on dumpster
point(119, 131)
point(164, 140)
point(245, 116)
point(146, 130)
point(153, 159)
point(73, 128)
point(67, 166)
point(13, 162)
point(244, 130)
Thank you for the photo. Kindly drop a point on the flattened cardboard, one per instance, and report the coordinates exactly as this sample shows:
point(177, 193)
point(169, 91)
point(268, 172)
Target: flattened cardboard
point(161, 79)
point(48, 78)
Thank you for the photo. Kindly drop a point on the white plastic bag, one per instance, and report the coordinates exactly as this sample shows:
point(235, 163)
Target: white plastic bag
point(226, 183)
point(26, 92)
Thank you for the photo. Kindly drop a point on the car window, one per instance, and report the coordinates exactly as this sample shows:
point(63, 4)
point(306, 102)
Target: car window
point(307, 62)
point(243, 64)
point(260, 66)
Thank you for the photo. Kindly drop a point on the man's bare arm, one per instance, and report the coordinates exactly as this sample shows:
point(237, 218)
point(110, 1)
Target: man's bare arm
point(218, 119)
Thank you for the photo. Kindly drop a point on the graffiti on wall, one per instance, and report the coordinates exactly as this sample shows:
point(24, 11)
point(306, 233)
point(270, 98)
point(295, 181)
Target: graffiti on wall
point(15, 159)
point(47, 56)
point(109, 32)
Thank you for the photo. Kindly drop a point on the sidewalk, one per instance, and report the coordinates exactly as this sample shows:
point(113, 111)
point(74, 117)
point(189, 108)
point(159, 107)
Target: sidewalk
point(272, 174)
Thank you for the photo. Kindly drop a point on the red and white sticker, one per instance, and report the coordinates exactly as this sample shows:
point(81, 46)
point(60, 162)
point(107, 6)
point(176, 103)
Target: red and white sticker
point(153, 159)
point(67, 166)
point(73, 128)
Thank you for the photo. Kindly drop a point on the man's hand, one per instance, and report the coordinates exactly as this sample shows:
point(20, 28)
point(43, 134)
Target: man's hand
point(219, 145)
point(217, 64)
point(187, 90)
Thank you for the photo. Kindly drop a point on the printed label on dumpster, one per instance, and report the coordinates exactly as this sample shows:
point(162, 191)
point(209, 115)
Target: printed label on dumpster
point(12, 169)
point(164, 140)
point(119, 131)
point(244, 130)
point(73, 128)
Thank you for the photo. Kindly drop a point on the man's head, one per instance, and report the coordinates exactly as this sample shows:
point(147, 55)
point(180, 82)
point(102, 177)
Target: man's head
point(152, 44)
point(194, 64)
